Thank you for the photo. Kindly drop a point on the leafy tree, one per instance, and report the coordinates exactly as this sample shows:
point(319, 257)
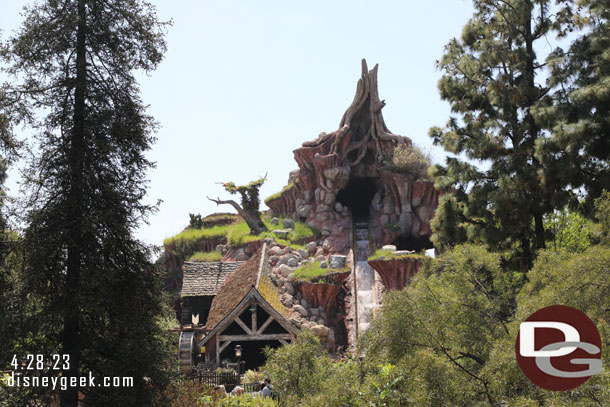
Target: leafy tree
point(577, 152)
point(455, 309)
point(297, 369)
point(569, 230)
point(100, 294)
point(491, 78)
point(250, 202)
point(602, 213)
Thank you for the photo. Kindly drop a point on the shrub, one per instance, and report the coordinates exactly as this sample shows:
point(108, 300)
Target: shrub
point(195, 222)
point(298, 369)
point(253, 376)
point(411, 160)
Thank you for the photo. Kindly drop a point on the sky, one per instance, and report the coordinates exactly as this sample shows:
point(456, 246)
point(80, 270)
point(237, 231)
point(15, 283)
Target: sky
point(244, 83)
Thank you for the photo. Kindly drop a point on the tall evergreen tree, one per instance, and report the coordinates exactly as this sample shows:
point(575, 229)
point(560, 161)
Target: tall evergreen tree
point(101, 294)
point(491, 78)
point(578, 152)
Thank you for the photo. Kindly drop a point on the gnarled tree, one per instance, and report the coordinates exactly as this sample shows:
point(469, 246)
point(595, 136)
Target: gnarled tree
point(250, 201)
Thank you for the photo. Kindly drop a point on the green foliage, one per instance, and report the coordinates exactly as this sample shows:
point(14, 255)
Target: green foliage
point(312, 272)
point(568, 230)
point(298, 369)
point(602, 213)
point(184, 244)
point(205, 256)
point(195, 221)
point(411, 159)
point(253, 376)
point(91, 287)
point(492, 79)
point(278, 194)
point(389, 255)
point(245, 400)
point(250, 200)
point(577, 151)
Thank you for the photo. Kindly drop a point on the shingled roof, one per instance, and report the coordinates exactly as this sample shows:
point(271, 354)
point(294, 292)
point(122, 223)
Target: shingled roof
point(205, 279)
point(253, 273)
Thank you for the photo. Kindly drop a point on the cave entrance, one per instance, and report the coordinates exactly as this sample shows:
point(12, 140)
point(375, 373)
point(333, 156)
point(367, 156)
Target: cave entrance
point(413, 243)
point(357, 195)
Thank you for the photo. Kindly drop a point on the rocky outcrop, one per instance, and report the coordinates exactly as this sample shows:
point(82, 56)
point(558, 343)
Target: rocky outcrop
point(358, 153)
point(396, 273)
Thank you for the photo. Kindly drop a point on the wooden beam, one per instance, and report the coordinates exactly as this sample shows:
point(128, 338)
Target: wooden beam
point(255, 337)
point(217, 351)
point(223, 347)
point(283, 342)
point(243, 326)
point(254, 329)
point(265, 325)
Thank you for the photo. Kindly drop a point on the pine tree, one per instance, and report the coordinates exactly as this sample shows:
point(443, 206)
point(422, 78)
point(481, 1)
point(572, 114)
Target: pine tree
point(491, 78)
point(578, 152)
point(100, 293)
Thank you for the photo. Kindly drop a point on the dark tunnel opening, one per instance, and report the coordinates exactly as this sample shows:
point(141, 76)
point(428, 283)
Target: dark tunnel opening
point(357, 195)
point(413, 243)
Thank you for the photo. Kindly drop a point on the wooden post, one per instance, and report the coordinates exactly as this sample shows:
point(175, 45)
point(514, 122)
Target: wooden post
point(254, 329)
point(217, 351)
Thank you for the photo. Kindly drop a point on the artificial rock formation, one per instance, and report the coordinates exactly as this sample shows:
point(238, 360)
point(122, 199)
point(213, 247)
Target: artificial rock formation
point(345, 175)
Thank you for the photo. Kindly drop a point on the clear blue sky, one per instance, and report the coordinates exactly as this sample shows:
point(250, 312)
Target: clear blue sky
point(244, 83)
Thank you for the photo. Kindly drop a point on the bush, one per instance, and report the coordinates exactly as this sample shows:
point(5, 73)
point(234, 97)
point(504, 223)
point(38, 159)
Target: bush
point(568, 230)
point(411, 160)
point(253, 376)
point(298, 369)
point(195, 222)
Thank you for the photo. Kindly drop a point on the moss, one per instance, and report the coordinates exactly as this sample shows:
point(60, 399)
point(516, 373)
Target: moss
point(205, 256)
point(389, 255)
point(312, 272)
point(278, 194)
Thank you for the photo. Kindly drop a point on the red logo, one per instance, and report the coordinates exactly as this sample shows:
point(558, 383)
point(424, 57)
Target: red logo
point(559, 348)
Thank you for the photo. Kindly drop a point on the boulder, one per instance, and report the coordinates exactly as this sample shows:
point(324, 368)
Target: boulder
point(337, 261)
point(304, 303)
point(323, 264)
point(292, 262)
point(300, 309)
point(285, 258)
point(289, 288)
point(220, 248)
point(338, 207)
point(303, 210)
point(389, 247)
point(282, 234)
point(320, 330)
point(311, 247)
point(288, 224)
point(285, 270)
point(274, 221)
point(302, 253)
point(240, 255)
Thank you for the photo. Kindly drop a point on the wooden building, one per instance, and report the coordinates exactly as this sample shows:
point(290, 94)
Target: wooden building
point(247, 311)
